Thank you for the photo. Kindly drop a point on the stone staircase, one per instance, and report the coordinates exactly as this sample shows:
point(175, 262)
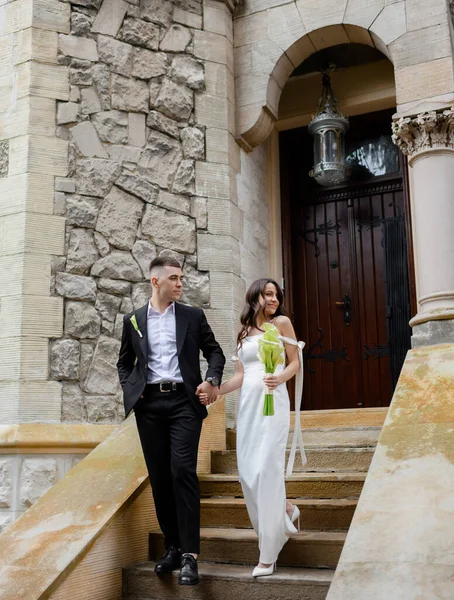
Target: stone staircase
point(326, 490)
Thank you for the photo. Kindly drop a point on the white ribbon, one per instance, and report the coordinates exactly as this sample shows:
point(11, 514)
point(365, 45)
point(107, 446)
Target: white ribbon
point(297, 442)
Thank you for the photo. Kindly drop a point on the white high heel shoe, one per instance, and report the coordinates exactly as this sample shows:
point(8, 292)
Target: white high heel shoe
point(295, 516)
point(262, 571)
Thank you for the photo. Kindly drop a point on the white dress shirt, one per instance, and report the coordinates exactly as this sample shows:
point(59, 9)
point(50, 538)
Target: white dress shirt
point(162, 346)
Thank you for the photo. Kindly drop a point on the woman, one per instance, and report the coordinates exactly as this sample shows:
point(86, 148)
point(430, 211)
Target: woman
point(262, 440)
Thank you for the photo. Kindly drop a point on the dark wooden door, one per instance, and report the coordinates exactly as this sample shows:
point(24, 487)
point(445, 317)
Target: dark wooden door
point(347, 266)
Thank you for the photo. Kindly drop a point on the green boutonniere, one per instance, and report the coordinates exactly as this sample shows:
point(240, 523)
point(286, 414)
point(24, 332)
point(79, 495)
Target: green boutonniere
point(135, 325)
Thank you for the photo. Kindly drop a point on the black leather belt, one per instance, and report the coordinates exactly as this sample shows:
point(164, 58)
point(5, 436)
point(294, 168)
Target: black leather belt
point(165, 387)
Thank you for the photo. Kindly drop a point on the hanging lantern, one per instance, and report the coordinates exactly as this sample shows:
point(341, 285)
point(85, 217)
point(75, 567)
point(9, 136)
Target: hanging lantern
point(328, 128)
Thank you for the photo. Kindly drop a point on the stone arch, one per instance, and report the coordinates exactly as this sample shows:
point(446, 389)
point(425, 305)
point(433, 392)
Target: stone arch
point(271, 43)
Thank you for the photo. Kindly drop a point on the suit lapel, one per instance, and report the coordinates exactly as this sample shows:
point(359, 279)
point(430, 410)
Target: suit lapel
point(182, 322)
point(141, 316)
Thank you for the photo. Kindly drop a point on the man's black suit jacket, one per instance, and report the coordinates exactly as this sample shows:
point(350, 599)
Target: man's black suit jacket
point(192, 333)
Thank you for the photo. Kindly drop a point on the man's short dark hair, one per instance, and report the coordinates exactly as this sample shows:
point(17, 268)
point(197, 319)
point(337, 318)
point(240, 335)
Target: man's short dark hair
point(164, 261)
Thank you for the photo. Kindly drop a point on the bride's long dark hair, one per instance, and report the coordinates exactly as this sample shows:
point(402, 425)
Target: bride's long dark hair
point(252, 306)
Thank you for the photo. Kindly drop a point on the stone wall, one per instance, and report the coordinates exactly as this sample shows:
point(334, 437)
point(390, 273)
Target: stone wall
point(130, 193)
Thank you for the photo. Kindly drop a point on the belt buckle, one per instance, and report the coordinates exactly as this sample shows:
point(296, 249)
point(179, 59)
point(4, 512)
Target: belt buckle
point(161, 389)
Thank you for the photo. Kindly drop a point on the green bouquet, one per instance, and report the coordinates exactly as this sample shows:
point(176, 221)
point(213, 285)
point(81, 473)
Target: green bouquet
point(271, 354)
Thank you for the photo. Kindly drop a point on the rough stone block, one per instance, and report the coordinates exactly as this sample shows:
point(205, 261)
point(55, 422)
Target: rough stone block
point(95, 176)
point(75, 287)
point(37, 476)
point(156, 11)
point(82, 320)
point(160, 159)
point(102, 376)
point(176, 39)
point(82, 211)
point(110, 17)
point(103, 409)
point(82, 251)
point(148, 64)
point(175, 100)
point(174, 202)
point(138, 187)
point(90, 101)
point(72, 406)
point(64, 359)
point(117, 265)
point(6, 483)
point(140, 33)
point(124, 154)
point(117, 55)
point(169, 230)
point(187, 70)
point(119, 218)
point(140, 294)
point(86, 138)
point(184, 182)
point(129, 95)
point(100, 75)
point(111, 126)
point(78, 47)
point(113, 286)
point(193, 141)
point(159, 122)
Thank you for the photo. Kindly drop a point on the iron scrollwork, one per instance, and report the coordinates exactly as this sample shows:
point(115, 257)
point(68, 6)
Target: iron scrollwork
point(331, 355)
point(327, 228)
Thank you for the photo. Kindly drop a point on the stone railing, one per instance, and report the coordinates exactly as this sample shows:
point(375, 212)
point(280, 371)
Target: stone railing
point(92, 523)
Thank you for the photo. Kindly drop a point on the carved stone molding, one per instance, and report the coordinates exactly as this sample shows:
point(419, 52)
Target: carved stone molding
point(231, 4)
point(425, 131)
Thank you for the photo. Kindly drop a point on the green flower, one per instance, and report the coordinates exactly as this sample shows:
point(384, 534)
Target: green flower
point(135, 325)
point(271, 354)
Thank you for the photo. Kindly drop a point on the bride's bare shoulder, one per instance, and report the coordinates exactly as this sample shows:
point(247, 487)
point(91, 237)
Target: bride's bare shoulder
point(282, 320)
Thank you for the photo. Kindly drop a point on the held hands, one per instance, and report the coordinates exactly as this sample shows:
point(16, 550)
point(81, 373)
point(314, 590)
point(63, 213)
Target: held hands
point(207, 393)
point(272, 381)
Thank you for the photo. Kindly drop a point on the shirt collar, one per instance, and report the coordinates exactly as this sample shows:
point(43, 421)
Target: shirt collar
point(153, 311)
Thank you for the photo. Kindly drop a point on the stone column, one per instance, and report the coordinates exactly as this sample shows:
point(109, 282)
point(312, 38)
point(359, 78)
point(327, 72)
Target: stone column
point(428, 141)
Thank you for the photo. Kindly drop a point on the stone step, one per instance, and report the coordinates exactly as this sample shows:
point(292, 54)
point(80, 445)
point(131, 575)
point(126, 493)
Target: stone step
point(224, 582)
point(301, 485)
point(318, 459)
point(318, 549)
point(329, 437)
point(315, 514)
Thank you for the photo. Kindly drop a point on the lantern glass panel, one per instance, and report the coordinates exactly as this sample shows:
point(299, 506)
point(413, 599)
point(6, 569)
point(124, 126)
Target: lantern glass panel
point(331, 146)
point(318, 148)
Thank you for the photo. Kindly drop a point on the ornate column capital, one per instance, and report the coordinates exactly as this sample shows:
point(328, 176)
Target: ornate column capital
point(426, 131)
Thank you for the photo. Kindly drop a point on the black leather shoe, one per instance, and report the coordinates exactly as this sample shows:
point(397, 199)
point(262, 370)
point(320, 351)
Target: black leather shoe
point(169, 562)
point(189, 573)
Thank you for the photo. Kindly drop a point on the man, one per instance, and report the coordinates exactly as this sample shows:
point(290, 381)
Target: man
point(159, 370)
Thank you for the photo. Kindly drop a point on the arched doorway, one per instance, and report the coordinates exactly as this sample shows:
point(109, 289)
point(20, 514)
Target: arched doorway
point(347, 269)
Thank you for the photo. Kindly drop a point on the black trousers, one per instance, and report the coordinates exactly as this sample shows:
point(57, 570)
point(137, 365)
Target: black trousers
point(169, 430)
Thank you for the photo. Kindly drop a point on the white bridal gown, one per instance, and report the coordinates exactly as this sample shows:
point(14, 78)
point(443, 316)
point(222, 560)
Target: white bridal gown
point(261, 447)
